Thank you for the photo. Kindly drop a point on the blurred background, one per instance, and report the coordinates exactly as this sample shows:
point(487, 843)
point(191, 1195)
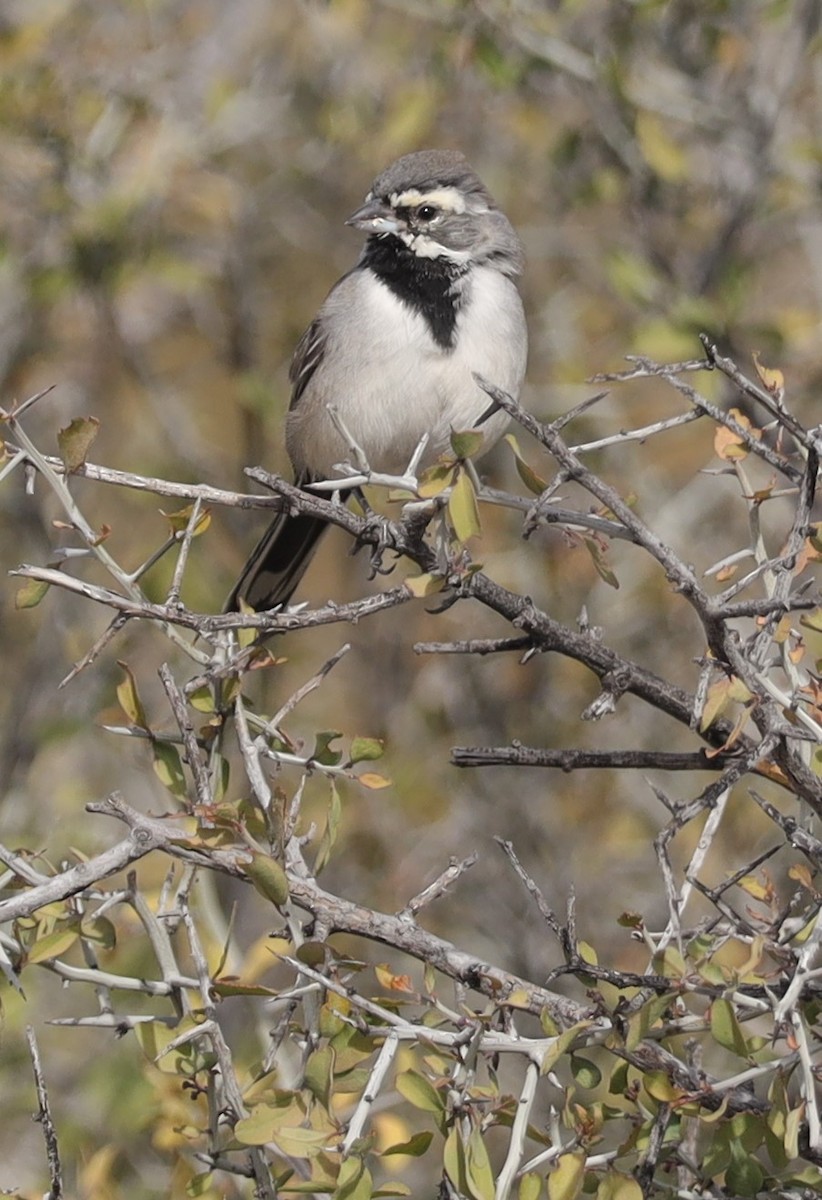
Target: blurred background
point(174, 177)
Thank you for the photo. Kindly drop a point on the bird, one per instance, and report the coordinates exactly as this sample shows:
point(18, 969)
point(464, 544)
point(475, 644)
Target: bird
point(431, 303)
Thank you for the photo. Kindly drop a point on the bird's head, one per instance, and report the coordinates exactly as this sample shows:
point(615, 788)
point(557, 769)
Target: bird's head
point(437, 206)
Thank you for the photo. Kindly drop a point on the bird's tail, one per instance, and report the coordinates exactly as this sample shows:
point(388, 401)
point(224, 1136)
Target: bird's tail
point(277, 563)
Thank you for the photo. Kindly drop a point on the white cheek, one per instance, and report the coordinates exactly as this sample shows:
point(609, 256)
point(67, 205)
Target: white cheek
point(426, 247)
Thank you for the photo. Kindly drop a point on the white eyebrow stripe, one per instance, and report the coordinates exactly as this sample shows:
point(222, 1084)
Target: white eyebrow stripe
point(449, 198)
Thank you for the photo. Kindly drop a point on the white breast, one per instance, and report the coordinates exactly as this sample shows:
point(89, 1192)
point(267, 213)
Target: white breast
point(391, 382)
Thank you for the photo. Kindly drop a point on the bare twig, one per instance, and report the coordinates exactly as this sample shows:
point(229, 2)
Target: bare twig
point(45, 1118)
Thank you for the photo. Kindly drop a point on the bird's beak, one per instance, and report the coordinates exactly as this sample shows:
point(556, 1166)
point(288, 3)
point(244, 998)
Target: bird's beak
point(375, 216)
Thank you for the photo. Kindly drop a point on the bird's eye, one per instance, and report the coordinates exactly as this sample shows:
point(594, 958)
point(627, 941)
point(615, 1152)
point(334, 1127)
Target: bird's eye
point(427, 212)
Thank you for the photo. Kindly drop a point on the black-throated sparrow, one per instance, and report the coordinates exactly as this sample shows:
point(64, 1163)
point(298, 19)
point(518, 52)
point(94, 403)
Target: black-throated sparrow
point(395, 346)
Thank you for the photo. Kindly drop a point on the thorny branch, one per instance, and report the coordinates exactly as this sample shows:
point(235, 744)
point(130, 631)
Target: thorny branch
point(770, 727)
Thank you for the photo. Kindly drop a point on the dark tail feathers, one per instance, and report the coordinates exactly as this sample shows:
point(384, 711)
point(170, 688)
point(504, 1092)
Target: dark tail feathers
point(277, 563)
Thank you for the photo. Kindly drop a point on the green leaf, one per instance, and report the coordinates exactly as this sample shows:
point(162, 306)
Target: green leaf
point(744, 1176)
point(619, 1078)
point(319, 1074)
point(415, 1147)
point(129, 697)
point(642, 1022)
point(530, 1186)
point(726, 1029)
point(453, 1161)
point(323, 754)
point(478, 1173)
point(793, 1125)
point(659, 1087)
point(268, 878)
point(548, 1024)
point(365, 749)
point(462, 508)
point(154, 1037)
point(586, 1073)
point(168, 768)
point(30, 594)
point(99, 930)
point(359, 1188)
point(466, 443)
point(616, 1186)
point(75, 441)
point(416, 1089)
point(228, 986)
point(199, 1185)
point(566, 1179)
point(562, 1044)
point(534, 482)
point(258, 1128)
point(436, 479)
point(202, 699)
point(52, 945)
point(331, 830)
point(302, 1143)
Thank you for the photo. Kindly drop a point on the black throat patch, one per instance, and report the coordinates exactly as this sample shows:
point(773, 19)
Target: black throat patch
point(430, 286)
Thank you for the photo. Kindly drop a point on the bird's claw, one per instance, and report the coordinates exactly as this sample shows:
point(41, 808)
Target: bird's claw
point(377, 535)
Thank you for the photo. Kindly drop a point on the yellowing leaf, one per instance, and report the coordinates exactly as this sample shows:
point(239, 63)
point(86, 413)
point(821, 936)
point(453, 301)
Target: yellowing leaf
point(812, 620)
point(801, 874)
point(462, 508)
point(179, 520)
point(755, 888)
point(587, 953)
point(394, 983)
point(30, 594)
point(534, 482)
point(659, 1087)
point(773, 379)
point(202, 699)
point(600, 562)
point(424, 585)
point(530, 1186)
point(436, 479)
point(372, 780)
point(728, 444)
point(129, 698)
point(566, 1179)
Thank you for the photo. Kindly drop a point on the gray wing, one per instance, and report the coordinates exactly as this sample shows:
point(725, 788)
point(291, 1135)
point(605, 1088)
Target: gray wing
point(308, 355)
point(310, 349)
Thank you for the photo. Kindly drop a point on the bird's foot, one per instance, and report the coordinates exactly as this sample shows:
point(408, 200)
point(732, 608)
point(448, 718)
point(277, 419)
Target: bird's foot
point(377, 535)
